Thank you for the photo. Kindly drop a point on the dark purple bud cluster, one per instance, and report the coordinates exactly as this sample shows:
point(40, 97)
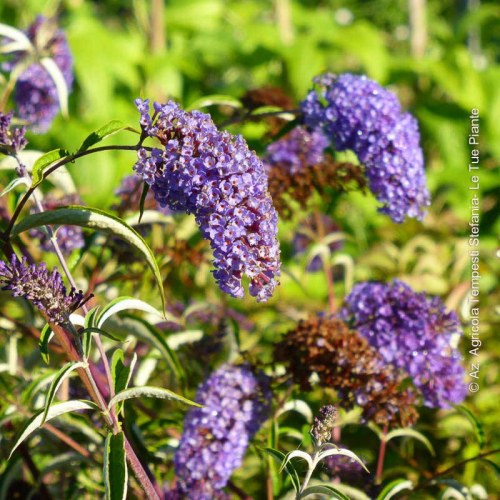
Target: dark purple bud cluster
point(413, 332)
point(42, 288)
point(35, 93)
point(297, 150)
point(356, 113)
point(12, 140)
point(235, 404)
point(213, 175)
point(69, 238)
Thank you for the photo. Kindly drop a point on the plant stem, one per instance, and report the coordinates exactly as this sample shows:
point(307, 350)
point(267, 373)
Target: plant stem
point(64, 161)
point(381, 457)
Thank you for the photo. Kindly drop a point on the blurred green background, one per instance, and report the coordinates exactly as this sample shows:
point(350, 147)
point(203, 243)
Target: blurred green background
point(440, 57)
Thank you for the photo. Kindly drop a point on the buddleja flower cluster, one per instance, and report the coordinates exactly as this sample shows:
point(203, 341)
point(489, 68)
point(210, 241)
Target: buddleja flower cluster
point(69, 237)
point(358, 114)
point(213, 175)
point(35, 93)
point(344, 360)
point(235, 404)
point(413, 332)
point(12, 139)
point(44, 289)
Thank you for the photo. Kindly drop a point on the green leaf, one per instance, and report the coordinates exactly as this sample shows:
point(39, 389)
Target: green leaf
point(123, 304)
point(345, 453)
point(44, 162)
point(62, 374)
point(394, 487)
point(410, 433)
point(478, 426)
point(101, 133)
point(142, 202)
point(149, 392)
point(45, 337)
point(324, 489)
point(492, 464)
point(99, 220)
point(279, 457)
point(13, 184)
point(119, 371)
point(215, 100)
point(55, 410)
point(87, 336)
point(153, 336)
point(115, 467)
point(59, 82)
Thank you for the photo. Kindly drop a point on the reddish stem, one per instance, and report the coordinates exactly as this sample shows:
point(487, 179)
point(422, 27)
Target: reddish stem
point(381, 457)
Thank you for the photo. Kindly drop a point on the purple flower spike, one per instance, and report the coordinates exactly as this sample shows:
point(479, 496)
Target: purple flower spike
point(213, 175)
point(42, 288)
point(35, 93)
point(12, 138)
point(356, 113)
point(235, 404)
point(413, 332)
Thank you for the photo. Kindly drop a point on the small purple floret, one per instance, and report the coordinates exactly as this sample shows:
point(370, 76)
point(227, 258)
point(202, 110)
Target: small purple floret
point(413, 332)
point(356, 113)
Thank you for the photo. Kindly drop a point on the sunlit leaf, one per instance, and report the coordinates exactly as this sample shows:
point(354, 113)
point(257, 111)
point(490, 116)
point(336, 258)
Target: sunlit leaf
point(393, 488)
point(149, 392)
point(410, 433)
point(44, 162)
point(54, 411)
point(112, 127)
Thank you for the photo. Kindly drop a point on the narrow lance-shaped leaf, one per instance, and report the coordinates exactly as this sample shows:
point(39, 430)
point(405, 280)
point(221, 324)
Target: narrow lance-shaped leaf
point(478, 426)
point(62, 374)
point(16, 35)
point(101, 133)
point(119, 371)
point(13, 184)
point(298, 454)
point(123, 304)
point(345, 453)
point(216, 100)
point(149, 392)
point(394, 487)
point(410, 433)
point(94, 218)
point(323, 489)
point(115, 467)
point(59, 81)
point(279, 457)
point(44, 162)
point(54, 411)
point(45, 337)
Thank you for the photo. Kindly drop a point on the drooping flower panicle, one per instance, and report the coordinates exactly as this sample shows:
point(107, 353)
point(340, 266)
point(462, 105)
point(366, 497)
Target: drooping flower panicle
point(44, 289)
point(12, 139)
point(35, 93)
point(414, 333)
point(235, 404)
point(358, 114)
point(213, 175)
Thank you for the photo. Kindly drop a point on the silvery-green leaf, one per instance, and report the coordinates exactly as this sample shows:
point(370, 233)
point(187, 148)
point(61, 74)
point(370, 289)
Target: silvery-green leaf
point(13, 184)
point(62, 375)
point(393, 488)
point(59, 81)
point(323, 489)
point(345, 453)
point(16, 35)
point(54, 411)
point(97, 219)
point(149, 392)
point(299, 406)
point(215, 100)
point(297, 454)
point(115, 471)
point(410, 433)
point(124, 304)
